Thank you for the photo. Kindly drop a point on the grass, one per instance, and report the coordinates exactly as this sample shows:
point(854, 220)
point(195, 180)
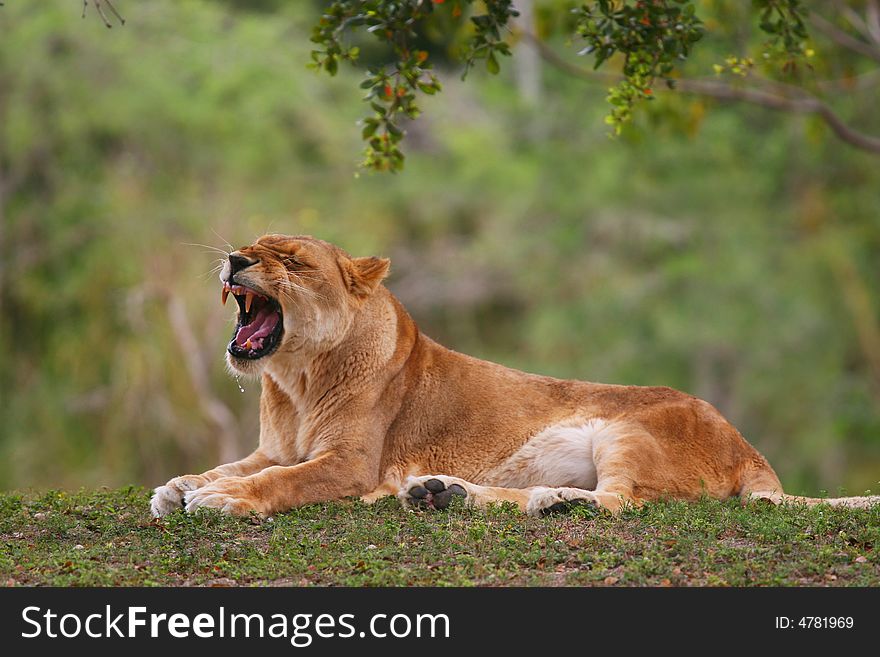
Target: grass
point(107, 538)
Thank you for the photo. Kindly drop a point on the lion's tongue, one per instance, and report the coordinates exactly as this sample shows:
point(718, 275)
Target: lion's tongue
point(261, 326)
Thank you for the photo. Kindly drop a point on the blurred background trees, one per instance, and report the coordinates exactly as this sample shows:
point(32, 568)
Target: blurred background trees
point(718, 248)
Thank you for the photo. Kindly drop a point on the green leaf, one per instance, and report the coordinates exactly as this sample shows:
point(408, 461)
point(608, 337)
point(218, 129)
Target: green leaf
point(369, 130)
point(492, 64)
point(393, 129)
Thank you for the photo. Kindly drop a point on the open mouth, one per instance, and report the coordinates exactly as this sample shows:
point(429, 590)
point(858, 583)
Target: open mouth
point(259, 327)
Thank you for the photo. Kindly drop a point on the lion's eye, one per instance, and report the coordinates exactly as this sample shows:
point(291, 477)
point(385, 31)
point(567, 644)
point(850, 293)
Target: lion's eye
point(292, 262)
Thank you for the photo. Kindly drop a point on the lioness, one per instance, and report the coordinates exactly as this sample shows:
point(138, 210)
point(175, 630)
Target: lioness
point(357, 401)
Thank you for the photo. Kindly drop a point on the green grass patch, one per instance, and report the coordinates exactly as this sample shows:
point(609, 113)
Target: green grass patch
point(107, 538)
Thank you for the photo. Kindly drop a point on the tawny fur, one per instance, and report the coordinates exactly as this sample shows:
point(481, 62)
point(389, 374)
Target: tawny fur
point(357, 401)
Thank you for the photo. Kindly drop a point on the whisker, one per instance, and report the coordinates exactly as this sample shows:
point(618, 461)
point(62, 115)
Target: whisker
point(210, 248)
point(224, 240)
point(216, 268)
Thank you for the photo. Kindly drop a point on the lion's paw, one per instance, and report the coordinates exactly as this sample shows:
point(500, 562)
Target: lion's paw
point(231, 495)
point(432, 491)
point(545, 501)
point(169, 497)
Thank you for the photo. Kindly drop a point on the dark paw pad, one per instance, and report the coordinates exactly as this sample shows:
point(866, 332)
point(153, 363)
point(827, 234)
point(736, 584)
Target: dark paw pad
point(444, 497)
point(434, 494)
point(418, 492)
point(435, 485)
point(565, 507)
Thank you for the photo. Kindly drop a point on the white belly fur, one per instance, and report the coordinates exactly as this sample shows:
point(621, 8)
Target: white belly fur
point(560, 455)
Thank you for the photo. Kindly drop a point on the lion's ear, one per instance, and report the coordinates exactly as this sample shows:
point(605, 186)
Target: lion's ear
point(365, 274)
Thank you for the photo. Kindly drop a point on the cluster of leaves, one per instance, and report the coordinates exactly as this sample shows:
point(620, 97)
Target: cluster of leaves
point(651, 35)
point(487, 40)
point(735, 65)
point(651, 38)
point(392, 91)
point(784, 21)
point(390, 95)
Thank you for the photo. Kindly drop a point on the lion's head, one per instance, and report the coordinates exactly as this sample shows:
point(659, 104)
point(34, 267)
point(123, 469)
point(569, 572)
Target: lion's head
point(294, 294)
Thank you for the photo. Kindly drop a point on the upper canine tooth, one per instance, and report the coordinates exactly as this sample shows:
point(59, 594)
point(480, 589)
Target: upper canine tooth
point(248, 299)
point(225, 294)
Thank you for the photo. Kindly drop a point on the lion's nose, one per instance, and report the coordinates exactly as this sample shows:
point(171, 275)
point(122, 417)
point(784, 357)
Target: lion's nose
point(237, 262)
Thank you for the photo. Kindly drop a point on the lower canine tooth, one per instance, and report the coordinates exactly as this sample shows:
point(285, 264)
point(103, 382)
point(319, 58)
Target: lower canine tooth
point(248, 299)
point(247, 345)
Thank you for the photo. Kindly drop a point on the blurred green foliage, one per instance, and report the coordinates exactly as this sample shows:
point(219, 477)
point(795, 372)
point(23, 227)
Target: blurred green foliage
point(730, 253)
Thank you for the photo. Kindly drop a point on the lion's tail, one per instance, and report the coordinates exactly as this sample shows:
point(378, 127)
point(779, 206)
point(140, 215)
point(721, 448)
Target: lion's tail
point(861, 502)
point(761, 483)
point(775, 497)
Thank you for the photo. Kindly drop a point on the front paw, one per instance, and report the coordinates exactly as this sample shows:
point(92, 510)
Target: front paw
point(169, 497)
point(233, 495)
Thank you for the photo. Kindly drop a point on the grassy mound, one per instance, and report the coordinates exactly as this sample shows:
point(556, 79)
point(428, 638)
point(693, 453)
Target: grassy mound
point(102, 538)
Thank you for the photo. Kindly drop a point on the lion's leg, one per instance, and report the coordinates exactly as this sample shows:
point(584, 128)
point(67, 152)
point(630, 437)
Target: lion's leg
point(437, 491)
point(383, 490)
point(169, 497)
point(626, 460)
point(614, 489)
point(330, 476)
point(634, 467)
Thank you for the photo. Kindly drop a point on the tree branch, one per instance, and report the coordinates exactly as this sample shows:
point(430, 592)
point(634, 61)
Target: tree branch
point(805, 104)
point(872, 20)
point(99, 7)
point(845, 39)
point(858, 23)
point(801, 103)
